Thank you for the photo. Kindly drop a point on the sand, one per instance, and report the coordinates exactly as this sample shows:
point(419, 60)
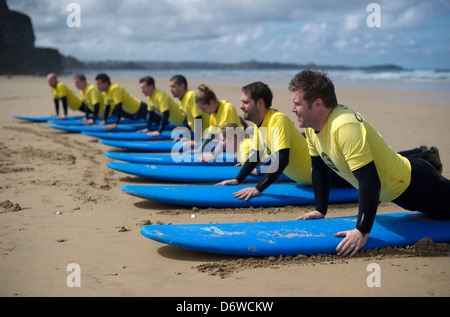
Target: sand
point(60, 204)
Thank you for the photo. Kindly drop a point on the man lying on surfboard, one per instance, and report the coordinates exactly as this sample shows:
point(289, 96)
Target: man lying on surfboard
point(60, 92)
point(179, 89)
point(274, 136)
point(92, 97)
point(120, 102)
point(341, 140)
point(160, 103)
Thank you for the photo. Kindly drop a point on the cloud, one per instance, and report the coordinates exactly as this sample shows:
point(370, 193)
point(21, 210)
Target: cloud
point(236, 30)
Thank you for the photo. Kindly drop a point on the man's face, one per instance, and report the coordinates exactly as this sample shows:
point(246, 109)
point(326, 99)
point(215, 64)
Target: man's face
point(102, 85)
point(52, 81)
point(79, 83)
point(302, 109)
point(146, 89)
point(249, 108)
point(176, 89)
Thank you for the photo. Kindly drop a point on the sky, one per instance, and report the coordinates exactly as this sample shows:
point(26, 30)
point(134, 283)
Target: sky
point(408, 33)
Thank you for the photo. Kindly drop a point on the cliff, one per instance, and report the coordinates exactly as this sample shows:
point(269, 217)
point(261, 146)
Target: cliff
point(18, 55)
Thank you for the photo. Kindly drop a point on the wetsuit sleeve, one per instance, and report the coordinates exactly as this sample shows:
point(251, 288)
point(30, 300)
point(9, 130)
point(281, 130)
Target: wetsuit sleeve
point(320, 174)
point(87, 111)
point(252, 162)
point(118, 112)
point(96, 110)
point(164, 121)
point(282, 159)
point(106, 112)
point(56, 102)
point(369, 195)
point(150, 116)
point(64, 104)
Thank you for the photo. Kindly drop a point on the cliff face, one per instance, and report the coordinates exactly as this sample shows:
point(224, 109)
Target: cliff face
point(18, 55)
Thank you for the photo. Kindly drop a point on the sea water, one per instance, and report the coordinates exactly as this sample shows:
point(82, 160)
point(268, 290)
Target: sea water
point(431, 80)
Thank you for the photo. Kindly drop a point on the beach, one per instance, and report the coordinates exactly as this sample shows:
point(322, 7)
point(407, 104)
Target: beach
point(61, 204)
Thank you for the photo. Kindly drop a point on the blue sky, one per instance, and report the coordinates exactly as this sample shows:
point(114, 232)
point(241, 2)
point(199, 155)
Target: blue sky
point(413, 34)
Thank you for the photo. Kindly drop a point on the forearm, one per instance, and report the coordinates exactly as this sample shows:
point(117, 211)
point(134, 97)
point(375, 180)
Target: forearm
point(369, 195)
point(87, 111)
point(64, 104)
point(164, 121)
point(56, 103)
point(250, 164)
point(320, 174)
point(106, 112)
point(150, 119)
point(118, 112)
point(281, 160)
point(96, 111)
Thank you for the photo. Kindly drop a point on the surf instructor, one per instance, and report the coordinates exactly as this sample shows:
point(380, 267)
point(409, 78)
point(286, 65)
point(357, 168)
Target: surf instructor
point(341, 140)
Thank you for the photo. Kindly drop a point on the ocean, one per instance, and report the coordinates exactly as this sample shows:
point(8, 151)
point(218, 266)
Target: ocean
point(409, 80)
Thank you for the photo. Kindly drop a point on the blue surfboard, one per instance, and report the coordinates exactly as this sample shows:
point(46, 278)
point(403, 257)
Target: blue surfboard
point(276, 195)
point(171, 159)
point(129, 136)
point(135, 136)
point(297, 236)
point(146, 146)
point(44, 118)
point(109, 121)
point(98, 128)
point(186, 174)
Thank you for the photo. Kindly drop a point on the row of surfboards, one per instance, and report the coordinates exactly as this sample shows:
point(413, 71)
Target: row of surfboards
point(151, 157)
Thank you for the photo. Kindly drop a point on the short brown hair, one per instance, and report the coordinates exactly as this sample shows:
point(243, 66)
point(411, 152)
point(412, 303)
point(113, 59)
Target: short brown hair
point(180, 79)
point(315, 85)
point(149, 81)
point(80, 76)
point(259, 90)
point(104, 78)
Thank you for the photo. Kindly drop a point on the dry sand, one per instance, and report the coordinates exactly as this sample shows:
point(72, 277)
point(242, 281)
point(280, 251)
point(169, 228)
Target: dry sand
point(43, 171)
